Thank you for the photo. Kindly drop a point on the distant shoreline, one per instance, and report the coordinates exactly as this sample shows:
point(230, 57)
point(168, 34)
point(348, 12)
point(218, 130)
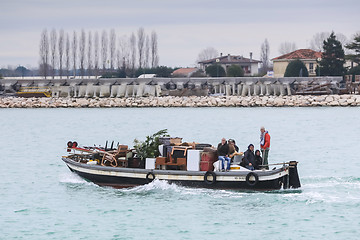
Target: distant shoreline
point(192, 101)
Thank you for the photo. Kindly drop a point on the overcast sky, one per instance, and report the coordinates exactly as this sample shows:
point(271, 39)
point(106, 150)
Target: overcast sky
point(184, 27)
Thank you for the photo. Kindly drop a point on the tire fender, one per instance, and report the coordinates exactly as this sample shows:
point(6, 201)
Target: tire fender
point(150, 177)
point(207, 174)
point(248, 182)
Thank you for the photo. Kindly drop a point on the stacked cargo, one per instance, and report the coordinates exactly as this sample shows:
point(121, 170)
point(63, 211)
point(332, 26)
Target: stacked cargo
point(175, 154)
point(208, 157)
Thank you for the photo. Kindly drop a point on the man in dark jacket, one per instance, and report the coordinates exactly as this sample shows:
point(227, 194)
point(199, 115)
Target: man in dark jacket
point(223, 151)
point(249, 158)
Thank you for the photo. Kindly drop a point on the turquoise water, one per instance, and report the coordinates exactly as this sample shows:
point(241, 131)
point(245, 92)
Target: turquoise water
point(41, 199)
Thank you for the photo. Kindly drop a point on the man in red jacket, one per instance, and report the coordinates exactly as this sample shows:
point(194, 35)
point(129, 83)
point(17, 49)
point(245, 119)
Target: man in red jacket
point(264, 145)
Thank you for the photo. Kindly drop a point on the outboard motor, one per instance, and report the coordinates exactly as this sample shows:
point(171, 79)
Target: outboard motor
point(294, 180)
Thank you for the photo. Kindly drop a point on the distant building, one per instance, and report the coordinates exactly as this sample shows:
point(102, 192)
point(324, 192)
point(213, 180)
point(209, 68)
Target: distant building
point(184, 72)
point(307, 56)
point(249, 65)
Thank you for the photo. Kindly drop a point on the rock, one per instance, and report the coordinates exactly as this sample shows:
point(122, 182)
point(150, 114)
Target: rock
point(345, 96)
point(192, 101)
point(350, 100)
point(244, 103)
point(279, 102)
point(329, 99)
point(334, 103)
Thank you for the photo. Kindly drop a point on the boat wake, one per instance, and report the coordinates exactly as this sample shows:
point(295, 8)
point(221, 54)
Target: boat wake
point(163, 187)
point(340, 184)
point(70, 177)
point(314, 190)
point(322, 189)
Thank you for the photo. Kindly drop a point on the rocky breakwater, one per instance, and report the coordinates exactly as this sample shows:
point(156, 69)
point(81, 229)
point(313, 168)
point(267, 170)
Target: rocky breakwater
point(209, 101)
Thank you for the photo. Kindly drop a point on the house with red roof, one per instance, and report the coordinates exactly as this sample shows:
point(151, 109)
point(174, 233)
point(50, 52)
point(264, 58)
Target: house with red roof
point(309, 57)
point(249, 65)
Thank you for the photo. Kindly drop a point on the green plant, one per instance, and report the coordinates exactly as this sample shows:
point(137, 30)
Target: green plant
point(115, 74)
point(333, 58)
point(150, 147)
point(215, 70)
point(355, 46)
point(296, 68)
point(235, 71)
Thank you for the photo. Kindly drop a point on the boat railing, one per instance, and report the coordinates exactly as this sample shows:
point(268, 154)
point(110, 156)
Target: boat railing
point(290, 163)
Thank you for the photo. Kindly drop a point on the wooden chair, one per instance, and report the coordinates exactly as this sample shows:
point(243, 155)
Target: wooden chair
point(178, 157)
point(160, 161)
point(116, 158)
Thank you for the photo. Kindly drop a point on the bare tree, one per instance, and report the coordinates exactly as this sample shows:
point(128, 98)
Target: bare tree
point(112, 48)
point(287, 47)
point(53, 43)
point(154, 50)
point(61, 52)
point(74, 52)
point(118, 59)
point(147, 52)
point(207, 53)
point(141, 46)
point(344, 41)
point(342, 38)
point(124, 51)
point(317, 41)
point(67, 55)
point(82, 43)
point(104, 49)
point(96, 53)
point(264, 55)
point(89, 54)
point(44, 53)
point(132, 52)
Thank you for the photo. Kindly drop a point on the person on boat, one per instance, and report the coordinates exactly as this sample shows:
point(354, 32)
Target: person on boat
point(258, 160)
point(223, 153)
point(232, 143)
point(249, 158)
point(234, 152)
point(264, 145)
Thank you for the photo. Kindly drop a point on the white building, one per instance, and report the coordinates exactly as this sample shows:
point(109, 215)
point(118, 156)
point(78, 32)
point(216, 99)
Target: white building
point(249, 65)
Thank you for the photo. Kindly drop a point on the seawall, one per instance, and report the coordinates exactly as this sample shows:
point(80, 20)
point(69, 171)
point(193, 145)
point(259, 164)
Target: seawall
point(156, 87)
point(192, 101)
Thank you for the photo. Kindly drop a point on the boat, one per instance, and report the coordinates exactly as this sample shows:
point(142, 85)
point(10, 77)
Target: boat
point(184, 165)
point(29, 92)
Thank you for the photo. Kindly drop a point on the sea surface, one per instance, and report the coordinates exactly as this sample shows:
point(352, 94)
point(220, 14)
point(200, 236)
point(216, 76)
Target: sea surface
point(41, 199)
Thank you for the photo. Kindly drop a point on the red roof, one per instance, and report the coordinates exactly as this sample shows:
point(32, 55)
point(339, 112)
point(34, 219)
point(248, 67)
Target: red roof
point(184, 71)
point(300, 54)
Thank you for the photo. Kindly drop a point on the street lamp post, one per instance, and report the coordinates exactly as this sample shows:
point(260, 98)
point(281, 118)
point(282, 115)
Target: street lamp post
point(318, 61)
point(217, 67)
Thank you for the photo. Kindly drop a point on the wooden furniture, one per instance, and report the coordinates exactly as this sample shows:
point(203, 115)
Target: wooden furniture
point(160, 161)
point(177, 157)
point(116, 158)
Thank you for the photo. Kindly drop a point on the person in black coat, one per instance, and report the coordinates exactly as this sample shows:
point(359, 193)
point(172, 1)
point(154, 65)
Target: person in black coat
point(249, 158)
point(223, 152)
point(223, 148)
point(258, 159)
